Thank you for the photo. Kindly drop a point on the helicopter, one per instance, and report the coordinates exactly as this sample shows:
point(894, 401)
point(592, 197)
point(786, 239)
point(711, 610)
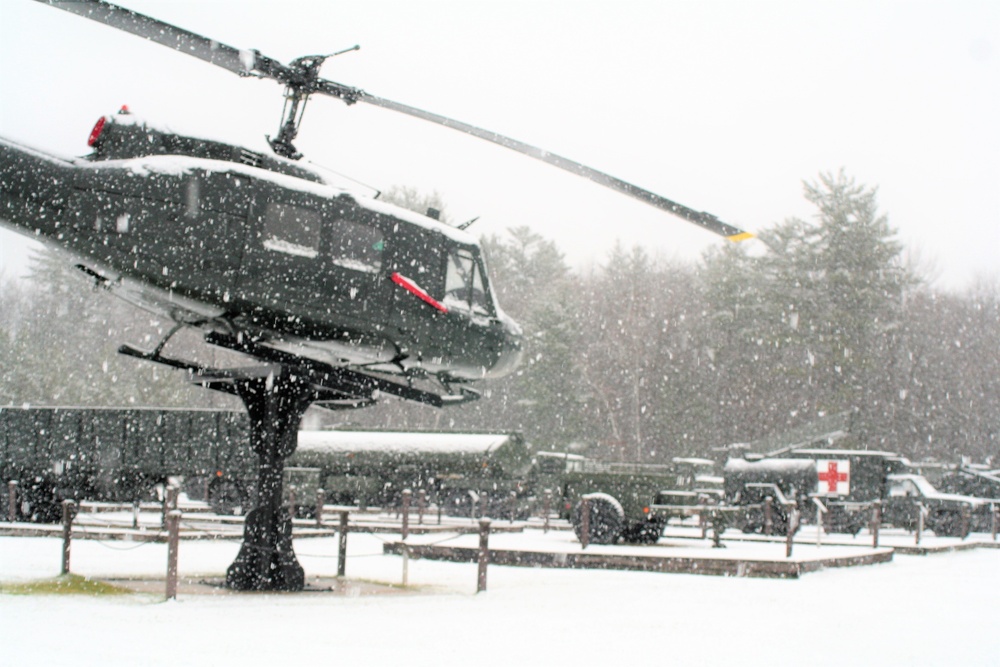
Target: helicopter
point(340, 298)
point(262, 253)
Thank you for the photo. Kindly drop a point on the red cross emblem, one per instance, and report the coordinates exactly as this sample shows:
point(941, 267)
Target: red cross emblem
point(833, 473)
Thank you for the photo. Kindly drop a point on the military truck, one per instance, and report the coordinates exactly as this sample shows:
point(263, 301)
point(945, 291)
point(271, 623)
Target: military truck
point(121, 455)
point(947, 514)
point(849, 481)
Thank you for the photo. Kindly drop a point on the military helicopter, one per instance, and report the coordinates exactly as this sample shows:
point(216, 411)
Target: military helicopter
point(261, 252)
point(342, 298)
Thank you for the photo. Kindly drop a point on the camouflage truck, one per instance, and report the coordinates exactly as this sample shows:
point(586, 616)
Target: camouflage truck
point(121, 455)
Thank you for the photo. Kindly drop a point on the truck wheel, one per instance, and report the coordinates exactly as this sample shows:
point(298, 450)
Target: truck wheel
point(607, 519)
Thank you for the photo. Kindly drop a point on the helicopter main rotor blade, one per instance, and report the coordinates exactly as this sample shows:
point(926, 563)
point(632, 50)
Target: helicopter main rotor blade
point(240, 61)
point(700, 218)
point(303, 79)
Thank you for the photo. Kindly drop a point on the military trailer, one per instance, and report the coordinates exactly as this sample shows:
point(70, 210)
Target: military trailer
point(120, 455)
point(788, 483)
point(465, 473)
point(619, 500)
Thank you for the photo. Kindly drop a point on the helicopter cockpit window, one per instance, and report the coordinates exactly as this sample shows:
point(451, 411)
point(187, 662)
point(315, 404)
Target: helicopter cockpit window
point(464, 286)
point(291, 229)
point(356, 246)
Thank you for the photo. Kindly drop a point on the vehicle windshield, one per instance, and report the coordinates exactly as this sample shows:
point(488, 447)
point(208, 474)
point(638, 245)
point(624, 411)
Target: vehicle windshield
point(465, 287)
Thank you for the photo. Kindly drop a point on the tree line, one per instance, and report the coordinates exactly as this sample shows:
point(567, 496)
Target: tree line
point(636, 359)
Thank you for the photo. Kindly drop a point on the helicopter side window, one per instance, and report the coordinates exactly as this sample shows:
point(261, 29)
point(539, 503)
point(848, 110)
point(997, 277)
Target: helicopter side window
point(291, 229)
point(356, 246)
point(464, 287)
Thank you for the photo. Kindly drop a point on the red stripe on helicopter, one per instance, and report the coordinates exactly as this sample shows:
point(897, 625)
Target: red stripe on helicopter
point(415, 290)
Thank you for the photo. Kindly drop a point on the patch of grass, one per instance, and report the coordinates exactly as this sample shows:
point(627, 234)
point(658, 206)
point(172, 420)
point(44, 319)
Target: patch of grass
point(68, 584)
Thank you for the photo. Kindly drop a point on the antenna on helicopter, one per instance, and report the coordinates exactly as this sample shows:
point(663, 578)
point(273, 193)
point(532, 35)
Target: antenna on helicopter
point(466, 225)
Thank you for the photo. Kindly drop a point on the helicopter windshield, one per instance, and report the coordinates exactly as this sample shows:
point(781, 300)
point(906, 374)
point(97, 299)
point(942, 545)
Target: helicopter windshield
point(465, 289)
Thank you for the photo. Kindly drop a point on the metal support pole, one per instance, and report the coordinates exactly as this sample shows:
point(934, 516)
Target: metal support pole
point(484, 553)
point(421, 505)
point(407, 494)
point(876, 522)
point(920, 520)
point(12, 500)
point(584, 522)
point(768, 515)
point(173, 543)
point(69, 513)
point(320, 502)
point(342, 546)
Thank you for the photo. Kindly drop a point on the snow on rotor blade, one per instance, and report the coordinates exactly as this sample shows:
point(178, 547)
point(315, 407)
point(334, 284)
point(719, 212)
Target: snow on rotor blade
point(230, 58)
point(705, 220)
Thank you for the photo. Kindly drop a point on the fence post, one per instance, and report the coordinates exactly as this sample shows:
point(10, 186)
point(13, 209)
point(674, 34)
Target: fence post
point(820, 517)
point(484, 553)
point(584, 522)
point(995, 520)
point(768, 515)
point(173, 543)
point(406, 512)
point(12, 500)
point(876, 522)
point(547, 509)
point(320, 502)
point(793, 525)
point(69, 513)
point(421, 505)
point(342, 546)
point(169, 503)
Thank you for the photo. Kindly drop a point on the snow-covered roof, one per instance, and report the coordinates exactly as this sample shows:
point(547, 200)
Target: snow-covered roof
point(403, 442)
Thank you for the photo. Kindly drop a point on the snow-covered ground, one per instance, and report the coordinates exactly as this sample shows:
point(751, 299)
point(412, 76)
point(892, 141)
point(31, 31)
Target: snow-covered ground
point(939, 609)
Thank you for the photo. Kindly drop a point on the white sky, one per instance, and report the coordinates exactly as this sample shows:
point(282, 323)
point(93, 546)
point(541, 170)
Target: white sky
point(722, 106)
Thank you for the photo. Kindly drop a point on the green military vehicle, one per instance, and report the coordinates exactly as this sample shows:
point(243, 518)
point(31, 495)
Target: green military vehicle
point(122, 455)
point(947, 514)
point(849, 481)
point(633, 502)
point(464, 473)
point(788, 483)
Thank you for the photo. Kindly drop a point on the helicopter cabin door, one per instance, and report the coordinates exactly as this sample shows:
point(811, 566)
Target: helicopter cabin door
point(317, 258)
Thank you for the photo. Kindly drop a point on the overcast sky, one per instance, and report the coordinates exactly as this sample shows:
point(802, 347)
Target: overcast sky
point(723, 106)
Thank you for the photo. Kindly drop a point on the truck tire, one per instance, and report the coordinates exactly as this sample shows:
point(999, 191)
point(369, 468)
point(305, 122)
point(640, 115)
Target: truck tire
point(607, 519)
